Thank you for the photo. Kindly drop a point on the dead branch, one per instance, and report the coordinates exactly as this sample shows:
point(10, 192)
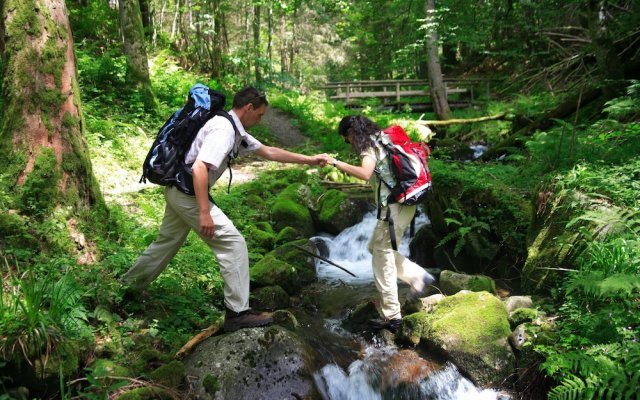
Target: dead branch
point(462, 121)
point(200, 337)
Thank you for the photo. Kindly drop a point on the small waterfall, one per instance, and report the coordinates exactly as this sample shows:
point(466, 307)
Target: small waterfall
point(368, 377)
point(349, 249)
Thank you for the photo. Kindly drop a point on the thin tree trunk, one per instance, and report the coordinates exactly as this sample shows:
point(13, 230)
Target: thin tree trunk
point(270, 39)
point(610, 67)
point(145, 12)
point(284, 68)
point(436, 81)
point(42, 143)
point(216, 60)
point(256, 42)
point(174, 25)
point(134, 49)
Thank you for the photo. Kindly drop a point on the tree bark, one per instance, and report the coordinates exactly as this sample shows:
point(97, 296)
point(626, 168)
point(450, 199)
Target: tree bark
point(256, 42)
point(42, 147)
point(134, 49)
point(436, 81)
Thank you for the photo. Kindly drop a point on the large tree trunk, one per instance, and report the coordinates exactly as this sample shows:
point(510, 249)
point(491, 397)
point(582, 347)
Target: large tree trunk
point(42, 148)
point(134, 49)
point(436, 81)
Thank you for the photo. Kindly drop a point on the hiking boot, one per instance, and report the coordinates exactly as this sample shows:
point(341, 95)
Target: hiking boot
point(389, 324)
point(418, 291)
point(245, 319)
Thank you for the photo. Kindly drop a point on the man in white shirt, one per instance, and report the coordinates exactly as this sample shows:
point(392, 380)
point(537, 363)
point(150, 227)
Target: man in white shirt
point(209, 153)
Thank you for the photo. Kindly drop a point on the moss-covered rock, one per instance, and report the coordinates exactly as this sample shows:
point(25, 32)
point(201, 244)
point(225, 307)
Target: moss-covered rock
point(286, 319)
point(452, 282)
point(512, 303)
point(286, 266)
point(288, 234)
point(170, 375)
point(338, 211)
point(261, 238)
point(472, 330)
point(522, 315)
point(291, 209)
point(270, 298)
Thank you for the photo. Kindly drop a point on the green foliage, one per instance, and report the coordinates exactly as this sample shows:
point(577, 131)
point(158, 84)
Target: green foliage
point(42, 315)
point(626, 107)
point(464, 225)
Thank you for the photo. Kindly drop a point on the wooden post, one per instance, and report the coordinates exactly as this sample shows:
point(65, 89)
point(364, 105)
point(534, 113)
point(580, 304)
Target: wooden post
point(346, 101)
point(398, 95)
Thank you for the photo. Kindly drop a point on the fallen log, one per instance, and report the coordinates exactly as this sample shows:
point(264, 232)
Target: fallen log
point(461, 121)
point(200, 337)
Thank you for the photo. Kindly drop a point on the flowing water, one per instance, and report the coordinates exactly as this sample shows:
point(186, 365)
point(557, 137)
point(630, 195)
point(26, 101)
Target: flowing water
point(365, 368)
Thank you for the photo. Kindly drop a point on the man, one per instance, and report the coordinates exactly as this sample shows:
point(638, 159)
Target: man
point(209, 153)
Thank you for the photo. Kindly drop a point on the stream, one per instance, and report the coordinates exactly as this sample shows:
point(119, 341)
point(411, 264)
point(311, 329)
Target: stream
point(366, 367)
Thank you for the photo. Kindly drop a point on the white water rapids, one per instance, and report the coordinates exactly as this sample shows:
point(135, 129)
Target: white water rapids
point(361, 380)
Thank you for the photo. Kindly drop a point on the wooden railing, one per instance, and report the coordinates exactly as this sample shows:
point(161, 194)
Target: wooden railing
point(390, 90)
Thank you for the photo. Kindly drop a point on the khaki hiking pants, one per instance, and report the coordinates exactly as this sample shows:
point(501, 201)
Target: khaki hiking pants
point(388, 264)
point(181, 215)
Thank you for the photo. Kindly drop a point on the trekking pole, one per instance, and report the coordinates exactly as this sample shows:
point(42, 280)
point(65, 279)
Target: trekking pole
point(324, 259)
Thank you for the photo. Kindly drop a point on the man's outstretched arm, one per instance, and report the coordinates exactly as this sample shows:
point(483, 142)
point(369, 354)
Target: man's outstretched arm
point(281, 155)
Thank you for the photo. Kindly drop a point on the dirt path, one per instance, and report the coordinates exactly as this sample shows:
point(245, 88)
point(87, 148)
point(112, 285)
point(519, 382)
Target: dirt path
point(287, 135)
point(279, 123)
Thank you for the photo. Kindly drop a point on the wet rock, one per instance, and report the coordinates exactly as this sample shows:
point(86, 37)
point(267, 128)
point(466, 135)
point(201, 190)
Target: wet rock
point(258, 363)
point(518, 337)
point(402, 375)
point(359, 319)
point(514, 302)
point(452, 282)
point(470, 329)
point(286, 319)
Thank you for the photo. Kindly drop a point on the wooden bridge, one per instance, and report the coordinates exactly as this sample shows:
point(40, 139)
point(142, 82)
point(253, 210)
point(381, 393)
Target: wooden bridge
point(398, 93)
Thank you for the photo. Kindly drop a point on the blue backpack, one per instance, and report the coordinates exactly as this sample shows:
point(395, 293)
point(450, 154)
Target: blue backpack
point(164, 164)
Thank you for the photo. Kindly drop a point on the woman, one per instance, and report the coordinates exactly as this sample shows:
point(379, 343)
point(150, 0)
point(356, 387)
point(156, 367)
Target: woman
point(388, 264)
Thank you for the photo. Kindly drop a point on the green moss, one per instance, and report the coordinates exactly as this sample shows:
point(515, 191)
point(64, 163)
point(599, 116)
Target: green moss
point(14, 232)
point(286, 212)
point(170, 375)
point(40, 192)
point(103, 367)
point(522, 315)
point(288, 234)
point(69, 122)
point(49, 100)
point(285, 266)
point(52, 59)
point(270, 298)
point(210, 384)
point(477, 319)
point(331, 202)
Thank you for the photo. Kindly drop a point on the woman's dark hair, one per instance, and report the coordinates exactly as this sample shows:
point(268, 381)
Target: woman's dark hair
point(360, 128)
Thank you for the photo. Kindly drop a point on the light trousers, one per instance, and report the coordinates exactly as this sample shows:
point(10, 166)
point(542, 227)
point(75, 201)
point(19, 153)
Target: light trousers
point(388, 264)
point(181, 215)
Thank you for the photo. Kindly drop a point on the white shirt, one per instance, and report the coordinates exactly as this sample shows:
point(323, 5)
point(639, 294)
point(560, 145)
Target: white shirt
point(215, 140)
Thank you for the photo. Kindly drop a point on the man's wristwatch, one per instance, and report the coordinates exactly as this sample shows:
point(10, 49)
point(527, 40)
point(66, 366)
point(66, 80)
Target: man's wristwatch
point(335, 163)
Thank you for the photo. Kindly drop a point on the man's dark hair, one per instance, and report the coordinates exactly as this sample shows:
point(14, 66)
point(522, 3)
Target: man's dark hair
point(249, 95)
point(360, 128)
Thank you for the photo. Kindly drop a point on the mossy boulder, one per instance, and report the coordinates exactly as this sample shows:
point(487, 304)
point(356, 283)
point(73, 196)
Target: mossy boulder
point(286, 266)
point(270, 298)
point(452, 282)
point(358, 319)
point(338, 211)
point(291, 209)
point(254, 363)
point(169, 375)
point(262, 237)
point(472, 330)
point(512, 303)
point(146, 393)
